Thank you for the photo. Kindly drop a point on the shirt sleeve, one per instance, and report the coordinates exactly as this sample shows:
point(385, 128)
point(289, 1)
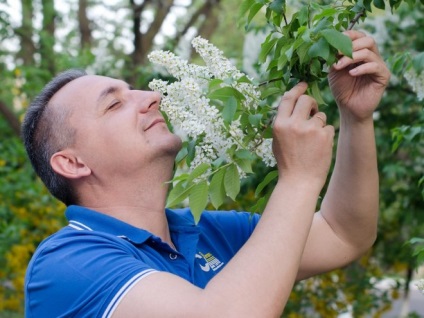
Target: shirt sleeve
point(236, 227)
point(83, 275)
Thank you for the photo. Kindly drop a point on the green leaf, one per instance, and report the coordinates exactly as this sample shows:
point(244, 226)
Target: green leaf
point(416, 240)
point(191, 149)
point(266, 47)
point(339, 41)
point(379, 4)
point(181, 154)
point(216, 189)
point(232, 181)
point(253, 11)
point(270, 91)
point(326, 13)
point(245, 6)
point(302, 53)
point(321, 48)
point(198, 199)
point(303, 15)
point(255, 120)
point(268, 178)
point(229, 109)
point(183, 176)
point(260, 205)
point(316, 93)
point(278, 6)
point(198, 171)
point(245, 165)
point(224, 93)
point(244, 154)
point(418, 62)
point(178, 194)
point(215, 84)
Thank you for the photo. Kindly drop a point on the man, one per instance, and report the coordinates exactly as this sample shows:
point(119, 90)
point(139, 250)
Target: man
point(105, 151)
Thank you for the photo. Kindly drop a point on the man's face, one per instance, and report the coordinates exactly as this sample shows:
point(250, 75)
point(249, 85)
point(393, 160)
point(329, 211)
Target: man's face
point(118, 129)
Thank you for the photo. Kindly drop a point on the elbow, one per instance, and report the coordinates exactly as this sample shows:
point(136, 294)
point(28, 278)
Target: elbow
point(363, 247)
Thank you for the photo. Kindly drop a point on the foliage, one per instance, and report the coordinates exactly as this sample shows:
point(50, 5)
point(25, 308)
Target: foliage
point(28, 213)
point(350, 290)
point(401, 116)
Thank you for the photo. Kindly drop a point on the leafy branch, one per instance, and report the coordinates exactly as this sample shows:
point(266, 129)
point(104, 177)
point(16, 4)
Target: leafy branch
point(298, 47)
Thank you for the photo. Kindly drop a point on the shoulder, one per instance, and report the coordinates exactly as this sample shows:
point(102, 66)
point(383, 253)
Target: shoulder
point(235, 227)
point(79, 271)
point(229, 218)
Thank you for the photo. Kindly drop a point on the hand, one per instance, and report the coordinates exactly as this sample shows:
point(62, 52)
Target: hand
point(302, 141)
point(358, 84)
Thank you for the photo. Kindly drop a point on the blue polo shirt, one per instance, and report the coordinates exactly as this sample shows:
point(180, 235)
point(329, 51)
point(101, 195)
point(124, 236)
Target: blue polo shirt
point(84, 269)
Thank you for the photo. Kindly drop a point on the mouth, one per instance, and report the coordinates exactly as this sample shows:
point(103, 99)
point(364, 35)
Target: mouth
point(155, 122)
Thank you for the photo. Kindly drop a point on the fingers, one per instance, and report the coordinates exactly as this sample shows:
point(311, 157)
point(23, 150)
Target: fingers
point(289, 99)
point(365, 59)
point(296, 104)
point(361, 41)
point(320, 118)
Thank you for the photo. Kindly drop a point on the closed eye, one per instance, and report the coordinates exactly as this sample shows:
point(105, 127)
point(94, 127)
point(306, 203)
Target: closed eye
point(113, 105)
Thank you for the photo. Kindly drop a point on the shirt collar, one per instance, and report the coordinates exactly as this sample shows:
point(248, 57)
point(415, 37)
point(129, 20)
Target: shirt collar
point(81, 218)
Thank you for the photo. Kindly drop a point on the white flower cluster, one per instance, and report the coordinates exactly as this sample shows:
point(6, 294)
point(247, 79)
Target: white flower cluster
point(420, 285)
point(416, 81)
point(190, 111)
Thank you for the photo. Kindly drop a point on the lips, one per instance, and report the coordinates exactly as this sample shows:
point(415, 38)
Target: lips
point(154, 122)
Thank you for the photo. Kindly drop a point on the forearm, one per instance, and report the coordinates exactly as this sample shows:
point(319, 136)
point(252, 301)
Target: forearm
point(264, 270)
point(351, 203)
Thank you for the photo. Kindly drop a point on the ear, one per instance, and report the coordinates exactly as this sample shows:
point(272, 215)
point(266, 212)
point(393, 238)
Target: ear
point(68, 165)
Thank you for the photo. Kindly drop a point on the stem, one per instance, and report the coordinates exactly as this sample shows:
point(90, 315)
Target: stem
point(356, 19)
point(270, 81)
point(287, 23)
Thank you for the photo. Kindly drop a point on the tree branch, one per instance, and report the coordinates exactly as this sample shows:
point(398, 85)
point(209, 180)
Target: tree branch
point(202, 10)
point(162, 10)
point(356, 19)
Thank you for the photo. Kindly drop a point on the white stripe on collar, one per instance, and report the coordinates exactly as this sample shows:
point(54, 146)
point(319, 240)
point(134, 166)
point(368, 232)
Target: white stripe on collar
point(79, 226)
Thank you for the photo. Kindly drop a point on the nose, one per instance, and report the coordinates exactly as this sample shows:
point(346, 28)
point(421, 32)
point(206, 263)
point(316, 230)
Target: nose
point(147, 100)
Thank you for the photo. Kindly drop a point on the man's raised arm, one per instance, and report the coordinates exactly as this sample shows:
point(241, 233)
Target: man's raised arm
point(258, 280)
point(346, 226)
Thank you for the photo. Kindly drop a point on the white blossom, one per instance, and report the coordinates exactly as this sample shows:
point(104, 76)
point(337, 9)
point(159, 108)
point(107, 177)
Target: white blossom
point(190, 111)
point(416, 81)
point(264, 151)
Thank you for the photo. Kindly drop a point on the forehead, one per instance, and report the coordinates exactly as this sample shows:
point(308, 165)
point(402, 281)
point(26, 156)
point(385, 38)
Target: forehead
point(85, 89)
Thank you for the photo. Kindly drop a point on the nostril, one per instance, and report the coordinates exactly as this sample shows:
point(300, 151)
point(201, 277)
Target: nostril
point(152, 104)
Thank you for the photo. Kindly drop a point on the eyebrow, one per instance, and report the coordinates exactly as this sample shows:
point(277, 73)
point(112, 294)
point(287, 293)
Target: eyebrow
point(110, 90)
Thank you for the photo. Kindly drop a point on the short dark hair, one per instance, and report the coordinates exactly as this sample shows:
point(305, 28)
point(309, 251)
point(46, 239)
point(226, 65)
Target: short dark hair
point(45, 131)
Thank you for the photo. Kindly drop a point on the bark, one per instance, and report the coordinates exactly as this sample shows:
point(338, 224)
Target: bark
point(211, 20)
point(26, 32)
point(136, 13)
point(84, 24)
point(47, 38)
point(162, 10)
point(201, 13)
point(205, 18)
point(143, 41)
point(11, 119)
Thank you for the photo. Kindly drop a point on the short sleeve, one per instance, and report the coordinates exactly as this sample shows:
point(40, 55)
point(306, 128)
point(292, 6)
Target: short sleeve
point(236, 227)
point(81, 275)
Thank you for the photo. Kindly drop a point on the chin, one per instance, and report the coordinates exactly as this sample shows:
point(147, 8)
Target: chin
point(173, 145)
point(177, 144)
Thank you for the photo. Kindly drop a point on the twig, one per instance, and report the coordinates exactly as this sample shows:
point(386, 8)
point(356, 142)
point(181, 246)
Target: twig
point(270, 81)
point(356, 19)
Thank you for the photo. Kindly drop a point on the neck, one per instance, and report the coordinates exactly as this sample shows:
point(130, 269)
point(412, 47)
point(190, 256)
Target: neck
point(136, 201)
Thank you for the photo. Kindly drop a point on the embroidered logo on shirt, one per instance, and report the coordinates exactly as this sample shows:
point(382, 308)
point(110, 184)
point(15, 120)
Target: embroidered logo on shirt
point(211, 262)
